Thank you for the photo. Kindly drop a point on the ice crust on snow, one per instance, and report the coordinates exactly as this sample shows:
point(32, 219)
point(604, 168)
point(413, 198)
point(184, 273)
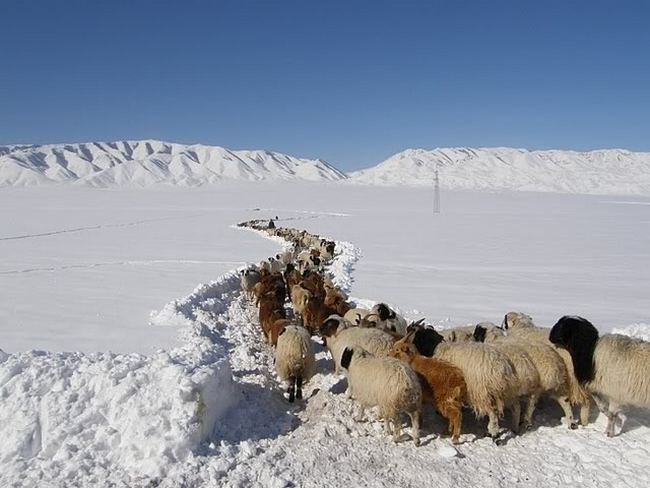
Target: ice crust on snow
point(147, 163)
point(609, 171)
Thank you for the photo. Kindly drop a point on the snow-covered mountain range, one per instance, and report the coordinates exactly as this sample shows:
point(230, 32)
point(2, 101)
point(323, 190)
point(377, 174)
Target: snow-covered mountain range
point(609, 171)
point(146, 163)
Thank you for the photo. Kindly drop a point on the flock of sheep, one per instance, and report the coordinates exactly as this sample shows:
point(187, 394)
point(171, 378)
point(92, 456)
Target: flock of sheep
point(397, 366)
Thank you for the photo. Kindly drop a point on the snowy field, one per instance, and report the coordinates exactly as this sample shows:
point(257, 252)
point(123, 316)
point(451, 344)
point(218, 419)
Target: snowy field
point(81, 270)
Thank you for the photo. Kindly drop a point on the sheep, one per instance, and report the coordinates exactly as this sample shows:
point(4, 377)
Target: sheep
point(387, 383)
point(445, 384)
point(294, 359)
point(355, 315)
point(390, 319)
point(553, 374)
point(338, 334)
point(614, 369)
point(276, 265)
point(284, 258)
point(299, 297)
point(249, 278)
point(458, 334)
point(521, 326)
point(291, 276)
point(489, 373)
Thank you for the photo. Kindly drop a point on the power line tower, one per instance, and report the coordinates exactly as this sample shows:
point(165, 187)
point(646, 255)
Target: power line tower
point(436, 193)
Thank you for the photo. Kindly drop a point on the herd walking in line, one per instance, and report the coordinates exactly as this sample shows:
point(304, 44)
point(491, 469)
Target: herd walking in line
point(400, 367)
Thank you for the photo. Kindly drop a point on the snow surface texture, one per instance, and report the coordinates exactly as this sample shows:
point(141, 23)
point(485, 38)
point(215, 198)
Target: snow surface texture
point(146, 163)
point(211, 413)
point(610, 171)
point(152, 163)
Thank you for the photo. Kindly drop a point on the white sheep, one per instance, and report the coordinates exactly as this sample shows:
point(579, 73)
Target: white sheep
point(294, 358)
point(356, 315)
point(248, 279)
point(520, 325)
point(458, 334)
point(387, 383)
point(338, 334)
point(614, 369)
point(389, 319)
point(553, 375)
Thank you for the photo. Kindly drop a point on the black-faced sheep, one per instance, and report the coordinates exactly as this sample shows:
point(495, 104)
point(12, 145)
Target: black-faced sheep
point(389, 319)
point(294, 359)
point(614, 369)
point(520, 325)
point(387, 383)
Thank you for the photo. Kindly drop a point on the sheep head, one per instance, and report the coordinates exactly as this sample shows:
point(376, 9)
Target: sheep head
point(402, 350)
point(479, 333)
point(579, 337)
point(516, 320)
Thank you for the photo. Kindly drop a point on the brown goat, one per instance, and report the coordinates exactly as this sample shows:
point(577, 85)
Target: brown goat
point(271, 283)
point(270, 311)
point(276, 329)
point(446, 381)
point(315, 313)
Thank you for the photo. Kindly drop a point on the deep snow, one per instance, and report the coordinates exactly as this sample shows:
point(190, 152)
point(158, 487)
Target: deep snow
point(210, 412)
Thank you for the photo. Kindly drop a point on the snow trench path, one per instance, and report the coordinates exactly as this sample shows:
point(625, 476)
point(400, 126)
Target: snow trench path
point(267, 442)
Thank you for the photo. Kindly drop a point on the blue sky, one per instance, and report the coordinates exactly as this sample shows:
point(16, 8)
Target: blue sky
point(351, 82)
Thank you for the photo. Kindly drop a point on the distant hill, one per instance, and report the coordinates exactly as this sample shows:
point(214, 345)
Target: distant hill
point(146, 163)
point(610, 171)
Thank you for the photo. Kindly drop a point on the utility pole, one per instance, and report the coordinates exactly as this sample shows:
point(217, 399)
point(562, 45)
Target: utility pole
point(436, 192)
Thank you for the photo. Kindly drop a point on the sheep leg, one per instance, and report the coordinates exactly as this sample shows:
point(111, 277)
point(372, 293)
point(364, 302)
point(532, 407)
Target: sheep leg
point(299, 387)
point(610, 410)
point(531, 402)
point(397, 426)
point(415, 426)
point(568, 411)
point(292, 388)
point(612, 417)
point(359, 417)
point(515, 409)
point(584, 412)
point(493, 424)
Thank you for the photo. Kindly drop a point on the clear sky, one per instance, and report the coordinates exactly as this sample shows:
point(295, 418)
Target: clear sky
point(352, 82)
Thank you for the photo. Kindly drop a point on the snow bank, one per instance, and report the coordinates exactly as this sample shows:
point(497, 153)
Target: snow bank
point(641, 331)
point(75, 412)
